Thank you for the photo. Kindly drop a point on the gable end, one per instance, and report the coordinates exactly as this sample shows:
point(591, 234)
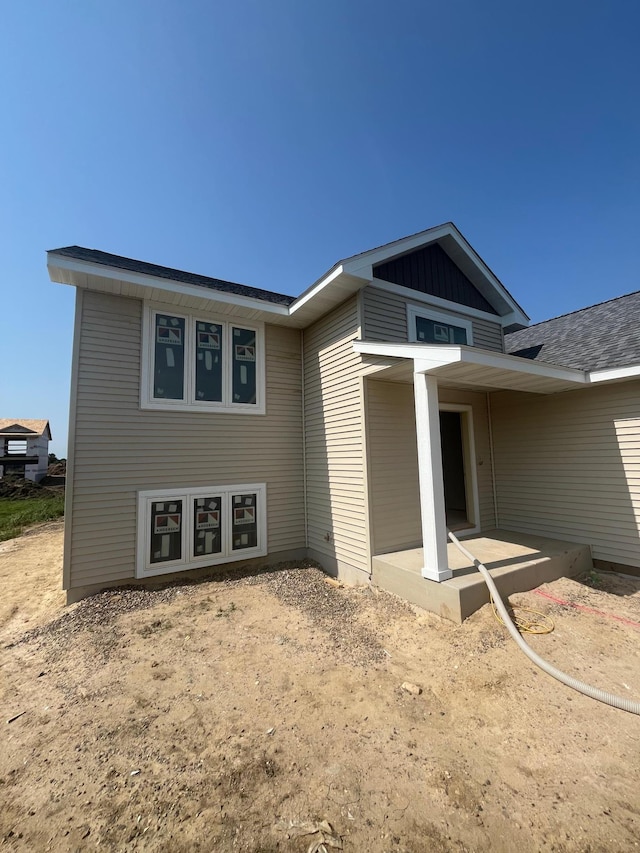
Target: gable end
point(430, 270)
point(16, 429)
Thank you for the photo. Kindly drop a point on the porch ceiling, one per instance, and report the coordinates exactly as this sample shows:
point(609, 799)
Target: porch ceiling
point(466, 368)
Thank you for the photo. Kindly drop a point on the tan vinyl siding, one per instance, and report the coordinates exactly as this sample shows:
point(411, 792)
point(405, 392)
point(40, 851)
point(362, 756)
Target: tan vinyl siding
point(568, 466)
point(393, 467)
point(385, 319)
point(121, 449)
point(336, 505)
point(393, 462)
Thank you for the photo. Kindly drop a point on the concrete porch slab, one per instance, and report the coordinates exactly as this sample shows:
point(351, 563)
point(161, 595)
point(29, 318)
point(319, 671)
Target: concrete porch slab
point(517, 562)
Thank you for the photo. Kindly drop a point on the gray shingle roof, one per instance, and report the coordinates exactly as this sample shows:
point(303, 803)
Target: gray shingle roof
point(603, 335)
point(94, 256)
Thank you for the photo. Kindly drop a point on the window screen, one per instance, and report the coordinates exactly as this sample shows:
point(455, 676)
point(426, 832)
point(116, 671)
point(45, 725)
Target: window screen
point(168, 379)
point(207, 526)
point(243, 343)
point(435, 332)
point(208, 362)
point(166, 531)
point(244, 527)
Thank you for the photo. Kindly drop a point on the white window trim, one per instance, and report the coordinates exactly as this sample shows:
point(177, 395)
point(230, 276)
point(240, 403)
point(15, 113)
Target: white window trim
point(472, 493)
point(415, 311)
point(145, 569)
point(190, 404)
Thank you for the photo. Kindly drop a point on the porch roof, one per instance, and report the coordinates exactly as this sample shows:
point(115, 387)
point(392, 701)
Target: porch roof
point(466, 367)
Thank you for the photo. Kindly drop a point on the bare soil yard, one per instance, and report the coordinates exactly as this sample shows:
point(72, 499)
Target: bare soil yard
point(238, 714)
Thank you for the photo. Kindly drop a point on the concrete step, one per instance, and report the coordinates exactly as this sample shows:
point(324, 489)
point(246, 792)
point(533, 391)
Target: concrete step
point(517, 562)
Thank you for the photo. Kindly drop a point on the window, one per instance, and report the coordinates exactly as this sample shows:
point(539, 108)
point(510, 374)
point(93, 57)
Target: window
point(195, 363)
point(16, 447)
point(431, 327)
point(182, 529)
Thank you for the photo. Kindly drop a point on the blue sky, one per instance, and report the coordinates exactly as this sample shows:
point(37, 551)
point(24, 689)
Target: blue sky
point(261, 142)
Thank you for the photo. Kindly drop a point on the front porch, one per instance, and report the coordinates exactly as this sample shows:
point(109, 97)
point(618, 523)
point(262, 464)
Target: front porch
point(517, 561)
point(431, 466)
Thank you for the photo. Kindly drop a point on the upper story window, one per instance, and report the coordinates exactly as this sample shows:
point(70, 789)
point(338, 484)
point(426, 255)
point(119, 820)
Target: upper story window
point(196, 363)
point(431, 327)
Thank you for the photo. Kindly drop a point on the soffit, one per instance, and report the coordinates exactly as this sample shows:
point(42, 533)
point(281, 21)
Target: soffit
point(465, 368)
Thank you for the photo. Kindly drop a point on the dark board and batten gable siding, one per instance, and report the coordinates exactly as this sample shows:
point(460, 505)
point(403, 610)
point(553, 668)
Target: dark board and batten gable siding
point(120, 448)
point(430, 270)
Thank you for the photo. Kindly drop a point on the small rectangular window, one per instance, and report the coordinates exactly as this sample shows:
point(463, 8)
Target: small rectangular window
point(166, 531)
point(244, 528)
point(436, 332)
point(207, 526)
point(426, 326)
point(209, 348)
point(244, 365)
point(169, 343)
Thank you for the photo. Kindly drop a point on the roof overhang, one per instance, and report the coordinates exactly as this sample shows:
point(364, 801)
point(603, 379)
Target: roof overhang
point(325, 294)
point(350, 275)
point(467, 367)
point(342, 281)
point(615, 374)
point(119, 282)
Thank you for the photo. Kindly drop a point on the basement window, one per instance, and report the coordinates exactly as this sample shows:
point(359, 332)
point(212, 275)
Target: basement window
point(196, 363)
point(432, 327)
point(181, 529)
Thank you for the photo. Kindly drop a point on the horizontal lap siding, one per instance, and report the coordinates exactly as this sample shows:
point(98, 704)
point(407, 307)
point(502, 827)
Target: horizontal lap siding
point(393, 462)
point(121, 449)
point(568, 466)
point(385, 319)
point(336, 506)
point(393, 467)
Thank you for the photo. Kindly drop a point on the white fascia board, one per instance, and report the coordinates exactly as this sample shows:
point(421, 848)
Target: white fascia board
point(55, 262)
point(427, 358)
point(441, 353)
point(398, 247)
point(315, 288)
point(611, 374)
point(471, 253)
point(484, 358)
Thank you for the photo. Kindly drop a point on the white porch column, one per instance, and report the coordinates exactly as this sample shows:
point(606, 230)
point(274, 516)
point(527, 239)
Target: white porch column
point(432, 510)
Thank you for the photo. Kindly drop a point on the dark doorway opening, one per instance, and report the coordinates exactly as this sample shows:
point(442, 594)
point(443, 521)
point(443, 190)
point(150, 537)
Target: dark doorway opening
point(455, 491)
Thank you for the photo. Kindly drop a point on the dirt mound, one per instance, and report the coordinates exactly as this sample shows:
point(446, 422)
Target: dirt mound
point(52, 481)
point(264, 712)
point(17, 488)
point(57, 469)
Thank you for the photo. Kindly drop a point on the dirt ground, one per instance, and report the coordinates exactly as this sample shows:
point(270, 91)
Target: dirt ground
point(264, 713)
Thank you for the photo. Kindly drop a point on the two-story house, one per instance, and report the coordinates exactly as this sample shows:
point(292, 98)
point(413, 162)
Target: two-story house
point(213, 423)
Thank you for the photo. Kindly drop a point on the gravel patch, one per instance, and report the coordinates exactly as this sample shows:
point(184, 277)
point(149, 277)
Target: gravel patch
point(302, 584)
point(334, 610)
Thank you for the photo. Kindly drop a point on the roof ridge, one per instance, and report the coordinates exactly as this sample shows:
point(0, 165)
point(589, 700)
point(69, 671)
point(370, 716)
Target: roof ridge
point(397, 240)
point(576, 311)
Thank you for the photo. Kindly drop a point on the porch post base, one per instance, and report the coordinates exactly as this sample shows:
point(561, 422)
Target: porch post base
point(437, 574)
